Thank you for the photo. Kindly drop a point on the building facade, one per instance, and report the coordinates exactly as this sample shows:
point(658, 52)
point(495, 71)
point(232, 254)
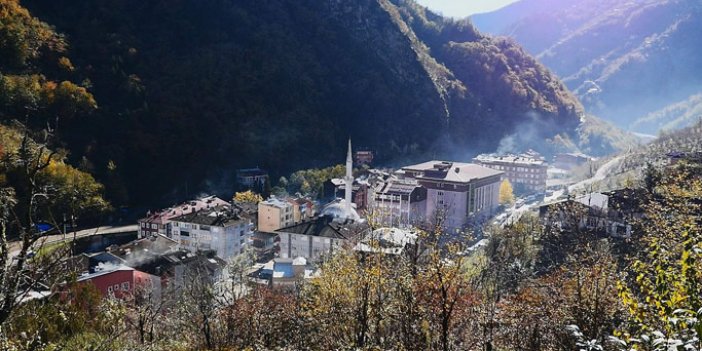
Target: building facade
point(159, 222)
point(251, 178)
point(220, 229)
point(527, 173)
point(319, 238)
point(274, 214)
point(398, 203)
point(122, 282)
point(457, 193)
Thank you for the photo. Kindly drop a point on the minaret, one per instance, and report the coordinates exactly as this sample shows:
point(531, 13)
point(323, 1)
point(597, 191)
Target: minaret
point(348, 179)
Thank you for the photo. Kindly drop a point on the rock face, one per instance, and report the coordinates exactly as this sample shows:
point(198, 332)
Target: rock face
point(191, 89)
point(623, 59)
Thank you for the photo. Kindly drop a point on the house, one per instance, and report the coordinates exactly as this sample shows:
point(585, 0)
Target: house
point(389, 241)
point(461, 193)
point(158, 223)
point(251, 178)
point(221, 229)
point(336, 187)
point(274, 214)
point(526, 172)
point(121, 281)
point(265, 245)
point(613, 213)
point(303, 209)
point(285, 273)
point(398, 202)
point(363, 157)
point(320, 236)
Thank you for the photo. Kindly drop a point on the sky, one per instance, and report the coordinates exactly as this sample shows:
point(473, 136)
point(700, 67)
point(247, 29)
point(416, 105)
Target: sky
point(464, 8)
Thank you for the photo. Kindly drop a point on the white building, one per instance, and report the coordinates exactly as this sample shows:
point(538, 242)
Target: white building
point(319, 238)
point(397, 202)
point(527, 172)
point(457, 192)
point(338, 226)
point(159, 223)
point(221, 229)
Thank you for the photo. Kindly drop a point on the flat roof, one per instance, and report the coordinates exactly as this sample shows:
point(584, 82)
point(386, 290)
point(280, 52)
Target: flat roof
point(456, 172)
point(518, 159)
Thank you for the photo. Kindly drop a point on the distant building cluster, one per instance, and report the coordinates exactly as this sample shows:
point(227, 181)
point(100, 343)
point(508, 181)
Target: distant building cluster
point(288, 236)
point(527, 172)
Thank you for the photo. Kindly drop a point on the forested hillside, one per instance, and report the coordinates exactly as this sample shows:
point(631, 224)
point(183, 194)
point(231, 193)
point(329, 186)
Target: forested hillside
point(190, 90)
point(623, 59)
point(39, 104)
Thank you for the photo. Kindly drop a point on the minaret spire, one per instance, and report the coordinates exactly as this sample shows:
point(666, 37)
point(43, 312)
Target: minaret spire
point(349, 179)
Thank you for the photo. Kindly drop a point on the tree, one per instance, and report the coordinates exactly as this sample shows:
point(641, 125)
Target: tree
point(248, 196)
point(663, 292)
point(506, 193)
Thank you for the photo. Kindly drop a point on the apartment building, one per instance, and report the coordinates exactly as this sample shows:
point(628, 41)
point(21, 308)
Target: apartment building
point(527, 172)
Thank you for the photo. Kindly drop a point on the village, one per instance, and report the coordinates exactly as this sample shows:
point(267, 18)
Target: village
point(279, 242)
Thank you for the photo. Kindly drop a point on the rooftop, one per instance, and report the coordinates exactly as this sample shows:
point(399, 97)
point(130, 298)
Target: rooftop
point(275, 202)
point(455, 172)
point(325, 227)
point(251, 172)
point(186, 207)
point(515, 159)
point(220, 216)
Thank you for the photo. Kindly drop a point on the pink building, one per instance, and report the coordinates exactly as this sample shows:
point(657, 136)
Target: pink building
point(159, 222)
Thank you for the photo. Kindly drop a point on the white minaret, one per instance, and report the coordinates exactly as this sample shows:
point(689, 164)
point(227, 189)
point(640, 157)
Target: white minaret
point(348, 179)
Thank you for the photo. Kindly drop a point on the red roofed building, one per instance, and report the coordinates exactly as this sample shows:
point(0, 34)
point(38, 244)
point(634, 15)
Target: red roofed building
point(121, 281)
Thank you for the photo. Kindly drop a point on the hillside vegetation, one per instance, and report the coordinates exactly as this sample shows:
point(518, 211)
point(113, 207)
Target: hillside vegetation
point(190, 90)
point(623, 59)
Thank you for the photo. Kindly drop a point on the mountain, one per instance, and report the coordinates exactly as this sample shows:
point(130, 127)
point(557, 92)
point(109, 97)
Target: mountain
point(623, 59)
point(190, 90)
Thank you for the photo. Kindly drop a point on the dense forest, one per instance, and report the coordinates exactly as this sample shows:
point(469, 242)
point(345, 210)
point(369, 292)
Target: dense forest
point(182, 93)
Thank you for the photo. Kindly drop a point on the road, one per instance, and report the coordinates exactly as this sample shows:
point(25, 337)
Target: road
point(49, 239)
point(600, 175)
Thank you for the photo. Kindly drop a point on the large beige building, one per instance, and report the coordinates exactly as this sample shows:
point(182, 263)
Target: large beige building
point(527, 173)
point(460, 193)
point(274, 214)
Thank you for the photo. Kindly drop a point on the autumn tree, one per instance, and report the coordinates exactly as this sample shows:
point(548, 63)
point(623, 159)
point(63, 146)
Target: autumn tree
point(663, 292)
point(506, 193)
point(247, 197)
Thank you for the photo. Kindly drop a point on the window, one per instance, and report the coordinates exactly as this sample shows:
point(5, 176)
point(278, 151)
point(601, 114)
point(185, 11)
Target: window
point(125, 286)
point(183, 233)
point(109, 289)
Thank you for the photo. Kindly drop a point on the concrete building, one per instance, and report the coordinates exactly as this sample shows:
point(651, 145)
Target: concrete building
point(527, 173)
point(251, 178)
point(221, 229)
point(460, 193)
point(303, 209)
point(612, 213)
point(274, 214)
point(364, 157)
point(286, 273)
point(121, 281)
point(319, 237)
point(398, 202)
point(265, 245)
point(159, 222)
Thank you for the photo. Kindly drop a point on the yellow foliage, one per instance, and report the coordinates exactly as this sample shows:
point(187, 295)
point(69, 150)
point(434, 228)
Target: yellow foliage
point(248, 196)
point(506, 193)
